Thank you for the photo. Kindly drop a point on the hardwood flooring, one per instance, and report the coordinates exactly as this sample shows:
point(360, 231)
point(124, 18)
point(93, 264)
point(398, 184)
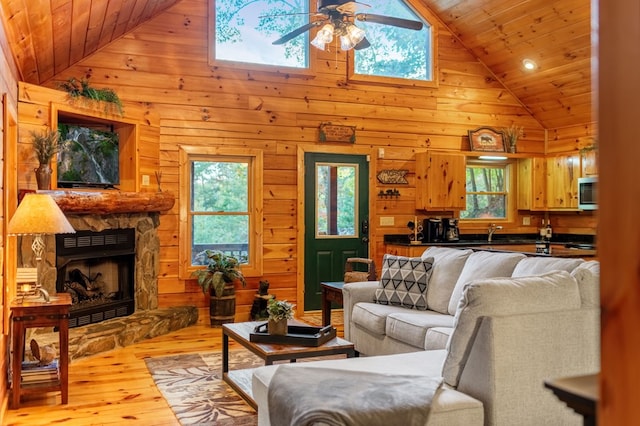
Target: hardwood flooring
point(115, 388)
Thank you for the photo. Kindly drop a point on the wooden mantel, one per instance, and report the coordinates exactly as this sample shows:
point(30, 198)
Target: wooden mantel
point(109, 202)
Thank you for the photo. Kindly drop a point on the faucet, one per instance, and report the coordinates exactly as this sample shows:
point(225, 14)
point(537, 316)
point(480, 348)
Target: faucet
point(492, 228)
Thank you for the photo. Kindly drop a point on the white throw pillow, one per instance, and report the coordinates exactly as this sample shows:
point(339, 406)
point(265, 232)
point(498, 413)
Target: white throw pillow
point(556, 291)
point(404, 281)
point(536, 265)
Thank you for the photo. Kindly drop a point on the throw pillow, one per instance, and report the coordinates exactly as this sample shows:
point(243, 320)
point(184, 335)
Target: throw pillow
point(404, 281)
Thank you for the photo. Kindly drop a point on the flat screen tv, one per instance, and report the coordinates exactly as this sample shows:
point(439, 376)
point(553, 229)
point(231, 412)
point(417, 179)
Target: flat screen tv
point(88, 156)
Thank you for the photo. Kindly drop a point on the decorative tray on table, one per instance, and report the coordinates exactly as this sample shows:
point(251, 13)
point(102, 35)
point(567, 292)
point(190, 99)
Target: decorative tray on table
point(296, 335)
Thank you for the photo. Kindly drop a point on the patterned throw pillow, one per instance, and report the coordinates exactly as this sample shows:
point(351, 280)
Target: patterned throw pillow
point(404, 281)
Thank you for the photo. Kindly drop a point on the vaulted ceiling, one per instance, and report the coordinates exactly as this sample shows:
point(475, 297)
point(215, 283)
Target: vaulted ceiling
point(48, 36)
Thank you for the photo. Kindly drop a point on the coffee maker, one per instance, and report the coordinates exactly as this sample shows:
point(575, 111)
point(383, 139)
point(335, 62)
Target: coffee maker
point(451, 232)
point(433, 230)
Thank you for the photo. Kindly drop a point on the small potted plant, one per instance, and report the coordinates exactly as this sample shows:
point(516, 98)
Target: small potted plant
point(279, 312)
point(217, 279)
point(45, 145)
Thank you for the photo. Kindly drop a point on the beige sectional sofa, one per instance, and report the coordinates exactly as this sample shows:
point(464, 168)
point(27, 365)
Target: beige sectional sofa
point(494, 327)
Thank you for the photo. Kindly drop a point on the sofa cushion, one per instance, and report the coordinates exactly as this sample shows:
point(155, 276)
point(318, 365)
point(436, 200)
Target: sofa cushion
point(437, 338)
point(483, 264)
point(404, 281)
point(588, 277)
point(555, 291)
point(373, 316)
point(447, 265)
point(541, 265)
point(411, 327)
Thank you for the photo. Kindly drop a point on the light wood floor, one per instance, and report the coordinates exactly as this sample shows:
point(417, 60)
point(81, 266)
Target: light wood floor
point(115, 388)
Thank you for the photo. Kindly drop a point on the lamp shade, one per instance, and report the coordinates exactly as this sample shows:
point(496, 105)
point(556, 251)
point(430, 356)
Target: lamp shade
point(39, 214)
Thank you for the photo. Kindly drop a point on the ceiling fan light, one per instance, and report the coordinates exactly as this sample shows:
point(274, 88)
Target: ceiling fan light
point(355, 34)
point(317, 43)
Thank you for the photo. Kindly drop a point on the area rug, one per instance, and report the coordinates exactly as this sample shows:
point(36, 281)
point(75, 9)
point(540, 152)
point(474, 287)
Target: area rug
point(193, 387)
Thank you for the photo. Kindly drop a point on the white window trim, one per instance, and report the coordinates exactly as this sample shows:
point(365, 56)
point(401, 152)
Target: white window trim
point(186, 153)
point(510, 191)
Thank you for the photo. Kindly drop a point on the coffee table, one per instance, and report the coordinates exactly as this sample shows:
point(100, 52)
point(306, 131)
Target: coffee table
point(240, 380)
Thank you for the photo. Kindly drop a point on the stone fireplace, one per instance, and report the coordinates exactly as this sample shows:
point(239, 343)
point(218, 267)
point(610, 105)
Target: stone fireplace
point(106, 223)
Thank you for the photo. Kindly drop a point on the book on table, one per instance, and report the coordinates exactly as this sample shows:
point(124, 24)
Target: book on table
point(34, 373)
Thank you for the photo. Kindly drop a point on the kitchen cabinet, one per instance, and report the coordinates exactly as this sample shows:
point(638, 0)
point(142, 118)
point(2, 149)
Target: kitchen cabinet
point(563, 172)
point(589, 163)
point(532, 184)
point(406, 250)
point(440, 181)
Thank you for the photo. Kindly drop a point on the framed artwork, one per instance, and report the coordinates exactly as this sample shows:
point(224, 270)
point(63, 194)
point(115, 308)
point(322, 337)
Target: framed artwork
point(486, 139)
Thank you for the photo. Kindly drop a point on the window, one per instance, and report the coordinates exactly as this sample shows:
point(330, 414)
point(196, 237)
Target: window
point(244, 32)
point(487, 191)
point(220, 209)
point(336, 189)
point(395, 52)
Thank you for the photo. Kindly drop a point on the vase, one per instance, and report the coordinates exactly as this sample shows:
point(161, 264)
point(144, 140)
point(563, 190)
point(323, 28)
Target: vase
point(278, 327)
point(43, 176)
point(512, 149)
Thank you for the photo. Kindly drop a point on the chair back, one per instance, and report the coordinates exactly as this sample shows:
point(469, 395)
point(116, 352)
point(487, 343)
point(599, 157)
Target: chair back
point(351, 275)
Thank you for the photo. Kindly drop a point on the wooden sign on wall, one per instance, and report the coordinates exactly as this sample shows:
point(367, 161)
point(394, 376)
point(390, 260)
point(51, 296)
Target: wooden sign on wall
point(334, 133)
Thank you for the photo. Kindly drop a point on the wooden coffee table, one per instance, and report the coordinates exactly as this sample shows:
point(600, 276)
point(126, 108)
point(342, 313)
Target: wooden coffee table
point(240, 380)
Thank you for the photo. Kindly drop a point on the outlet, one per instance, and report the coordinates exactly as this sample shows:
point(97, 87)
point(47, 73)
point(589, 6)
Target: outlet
point(526, 220)
point(387, 221)
point(380, 152)
point(145, 180)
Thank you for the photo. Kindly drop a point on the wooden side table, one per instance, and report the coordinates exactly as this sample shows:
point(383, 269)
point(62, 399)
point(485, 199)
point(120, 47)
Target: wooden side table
point(331, 292)
point(27, 314)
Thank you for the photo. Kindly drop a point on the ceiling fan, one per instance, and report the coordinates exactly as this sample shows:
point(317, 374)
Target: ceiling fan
point(337, 19)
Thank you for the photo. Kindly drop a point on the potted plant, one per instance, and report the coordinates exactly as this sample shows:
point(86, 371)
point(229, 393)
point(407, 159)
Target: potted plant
point(512, 134)
point(81, 89)
point(217, 280)
point(45, 145)
point(279, 312)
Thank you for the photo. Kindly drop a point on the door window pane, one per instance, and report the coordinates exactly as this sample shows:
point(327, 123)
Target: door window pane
point(336, 202)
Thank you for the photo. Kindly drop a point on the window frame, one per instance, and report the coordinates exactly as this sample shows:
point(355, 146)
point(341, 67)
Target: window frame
point(509, 166)
point(284, 71)
point(427, 16)
point(187, 155)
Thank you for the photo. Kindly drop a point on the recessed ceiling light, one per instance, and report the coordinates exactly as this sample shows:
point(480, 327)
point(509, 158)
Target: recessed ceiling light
point(529, 64)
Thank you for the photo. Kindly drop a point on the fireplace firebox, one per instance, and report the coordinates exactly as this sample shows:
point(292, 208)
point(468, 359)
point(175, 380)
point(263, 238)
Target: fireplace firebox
point(97, 269)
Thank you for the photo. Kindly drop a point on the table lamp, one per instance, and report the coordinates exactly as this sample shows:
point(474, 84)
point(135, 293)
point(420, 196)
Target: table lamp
point(38, 215)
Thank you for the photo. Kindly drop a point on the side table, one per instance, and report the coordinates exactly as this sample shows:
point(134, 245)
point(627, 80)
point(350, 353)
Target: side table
point(28, 314)
point(331, 292)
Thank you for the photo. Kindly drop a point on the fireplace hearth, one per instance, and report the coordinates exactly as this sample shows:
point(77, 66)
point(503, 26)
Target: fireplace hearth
point(98, 270)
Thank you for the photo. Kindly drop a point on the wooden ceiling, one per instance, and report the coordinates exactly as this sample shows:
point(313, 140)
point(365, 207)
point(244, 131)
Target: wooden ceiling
point(48, 36)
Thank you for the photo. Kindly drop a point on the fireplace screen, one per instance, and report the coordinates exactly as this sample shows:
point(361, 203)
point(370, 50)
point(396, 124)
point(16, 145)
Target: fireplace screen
point(97, 270)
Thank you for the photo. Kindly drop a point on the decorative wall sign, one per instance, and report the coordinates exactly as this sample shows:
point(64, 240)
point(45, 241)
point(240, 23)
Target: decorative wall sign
point(334, 133)
point(486, 139)
point(392, 176)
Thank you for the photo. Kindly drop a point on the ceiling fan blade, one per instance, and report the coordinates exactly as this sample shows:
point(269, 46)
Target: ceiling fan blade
point(389, 20)
point(364, 43)
point(295, 33)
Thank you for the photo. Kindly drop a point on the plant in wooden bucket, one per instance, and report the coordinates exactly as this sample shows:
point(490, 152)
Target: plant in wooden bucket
point(279, 312)
point(45, 145)
point(512, 134)
point(217, 279)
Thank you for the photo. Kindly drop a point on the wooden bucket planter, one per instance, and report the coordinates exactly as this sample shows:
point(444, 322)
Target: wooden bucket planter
point(222, 309)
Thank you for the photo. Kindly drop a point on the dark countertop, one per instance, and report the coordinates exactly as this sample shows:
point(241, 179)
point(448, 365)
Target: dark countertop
point(561, 245)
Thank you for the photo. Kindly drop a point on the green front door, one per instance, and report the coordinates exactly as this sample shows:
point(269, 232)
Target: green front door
point(336, 218)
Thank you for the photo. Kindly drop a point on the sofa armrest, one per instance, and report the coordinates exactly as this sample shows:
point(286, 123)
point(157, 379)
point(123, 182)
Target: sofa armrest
point(353, 293)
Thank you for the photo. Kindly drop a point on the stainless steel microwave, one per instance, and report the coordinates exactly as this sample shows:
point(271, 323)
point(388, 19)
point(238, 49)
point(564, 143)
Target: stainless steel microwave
point(588, 193)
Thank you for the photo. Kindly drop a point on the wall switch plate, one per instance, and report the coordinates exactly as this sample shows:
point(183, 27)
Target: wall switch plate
point(387, 221)
point(526, 220)
point(145, 180)
point(380, 152)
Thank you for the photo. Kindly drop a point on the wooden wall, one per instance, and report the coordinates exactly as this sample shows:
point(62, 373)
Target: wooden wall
point(163, 65)
point(8, 130)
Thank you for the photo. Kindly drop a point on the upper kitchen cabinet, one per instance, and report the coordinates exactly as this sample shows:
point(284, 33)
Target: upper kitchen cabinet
point(589, 161)
point(440, 181)
point(532, 183)
point(563, 172)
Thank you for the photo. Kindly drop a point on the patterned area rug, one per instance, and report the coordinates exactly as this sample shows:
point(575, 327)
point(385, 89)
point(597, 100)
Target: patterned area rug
point(192, 385)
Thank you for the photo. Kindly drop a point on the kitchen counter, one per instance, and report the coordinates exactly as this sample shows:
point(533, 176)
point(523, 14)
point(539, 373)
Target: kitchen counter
point(521, 245)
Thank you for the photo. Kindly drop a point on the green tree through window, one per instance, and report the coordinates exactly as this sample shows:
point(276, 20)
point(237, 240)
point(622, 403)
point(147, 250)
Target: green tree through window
point(486, 192)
